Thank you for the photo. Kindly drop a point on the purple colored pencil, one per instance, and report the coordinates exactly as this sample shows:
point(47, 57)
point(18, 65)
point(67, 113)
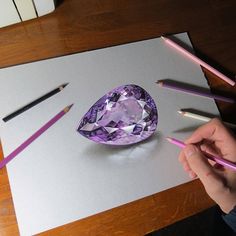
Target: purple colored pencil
point(33, 137)
point(192, 91)
point(216, 159)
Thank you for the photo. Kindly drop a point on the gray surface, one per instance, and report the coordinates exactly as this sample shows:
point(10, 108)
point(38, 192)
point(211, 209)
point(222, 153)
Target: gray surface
point(62, 176)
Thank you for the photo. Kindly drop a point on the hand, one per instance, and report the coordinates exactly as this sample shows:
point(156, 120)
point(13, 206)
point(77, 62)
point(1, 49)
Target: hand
point(220, 183)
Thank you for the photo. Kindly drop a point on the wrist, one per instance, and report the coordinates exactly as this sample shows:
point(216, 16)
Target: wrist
point(227, 208)
point(228, 203)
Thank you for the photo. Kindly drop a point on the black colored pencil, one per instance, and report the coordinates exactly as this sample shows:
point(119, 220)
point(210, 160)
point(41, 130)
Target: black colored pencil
point(35, 102)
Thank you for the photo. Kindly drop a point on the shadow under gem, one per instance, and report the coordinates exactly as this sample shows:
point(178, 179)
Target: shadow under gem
point(138, 151)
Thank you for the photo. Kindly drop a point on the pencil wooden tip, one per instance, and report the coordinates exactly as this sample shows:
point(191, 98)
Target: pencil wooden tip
point(68, 108)
point(181, 112)
point(159, 82)
point(169, 139)
point(163, 37)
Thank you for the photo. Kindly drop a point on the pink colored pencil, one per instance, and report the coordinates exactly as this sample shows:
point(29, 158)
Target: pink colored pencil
point(216, 159)
point(198, 60)
point(33, 137)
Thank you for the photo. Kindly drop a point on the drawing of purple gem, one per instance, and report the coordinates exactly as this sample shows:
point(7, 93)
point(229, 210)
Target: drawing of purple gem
point(125, 115)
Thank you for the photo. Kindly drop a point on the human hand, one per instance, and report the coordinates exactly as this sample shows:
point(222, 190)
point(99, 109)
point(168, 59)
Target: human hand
point(220, 183)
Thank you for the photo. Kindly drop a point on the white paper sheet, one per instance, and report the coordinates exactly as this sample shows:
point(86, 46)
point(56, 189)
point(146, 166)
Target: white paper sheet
point(62, 176)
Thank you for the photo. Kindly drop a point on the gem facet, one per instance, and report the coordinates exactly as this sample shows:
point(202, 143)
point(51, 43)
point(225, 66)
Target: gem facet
point(123, 116)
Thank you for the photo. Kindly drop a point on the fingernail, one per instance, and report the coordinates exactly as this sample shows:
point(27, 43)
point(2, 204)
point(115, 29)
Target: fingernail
point(189, 151)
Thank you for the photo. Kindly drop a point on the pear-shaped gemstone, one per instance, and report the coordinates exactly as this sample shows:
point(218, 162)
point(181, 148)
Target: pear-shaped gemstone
point(123, 116)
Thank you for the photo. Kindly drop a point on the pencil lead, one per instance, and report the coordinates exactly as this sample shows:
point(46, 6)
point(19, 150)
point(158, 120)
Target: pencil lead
point(64, 85)
point(71, 105)
point(181, 112)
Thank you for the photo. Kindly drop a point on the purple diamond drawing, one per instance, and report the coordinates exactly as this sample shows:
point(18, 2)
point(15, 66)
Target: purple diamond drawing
point(125, 115)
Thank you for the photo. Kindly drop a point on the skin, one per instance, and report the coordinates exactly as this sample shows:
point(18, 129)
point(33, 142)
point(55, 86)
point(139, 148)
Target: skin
point(219, 182)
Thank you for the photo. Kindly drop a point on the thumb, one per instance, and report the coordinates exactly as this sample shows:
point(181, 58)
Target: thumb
point(202, 168)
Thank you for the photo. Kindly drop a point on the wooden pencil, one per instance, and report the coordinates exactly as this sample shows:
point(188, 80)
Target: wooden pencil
point(193, 91)
point(217, 159)
point(34, 103)
point(33, 137)
point(202, 118)
point(198, 60)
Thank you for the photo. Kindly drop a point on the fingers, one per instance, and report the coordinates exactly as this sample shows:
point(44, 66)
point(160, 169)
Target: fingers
point(210, 149)
point(215, 139)
point(215, 185)
point(198, 162)
point(201, 167)
point(213, 130)
point(186, 167)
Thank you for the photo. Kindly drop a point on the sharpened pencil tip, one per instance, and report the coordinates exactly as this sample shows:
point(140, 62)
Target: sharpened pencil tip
point(71, 105)
point(181, 112)
point(163, 37)
point(65, 84)
point(66, 109)
point(169, 139)
point(159, 82)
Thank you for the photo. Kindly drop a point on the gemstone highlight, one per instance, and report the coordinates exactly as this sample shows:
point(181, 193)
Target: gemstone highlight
point(125, 115)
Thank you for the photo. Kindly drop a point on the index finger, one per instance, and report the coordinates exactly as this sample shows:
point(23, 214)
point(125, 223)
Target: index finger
point(213, 131)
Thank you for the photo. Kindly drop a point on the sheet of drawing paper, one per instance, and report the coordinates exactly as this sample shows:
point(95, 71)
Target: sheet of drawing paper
point(62, 176)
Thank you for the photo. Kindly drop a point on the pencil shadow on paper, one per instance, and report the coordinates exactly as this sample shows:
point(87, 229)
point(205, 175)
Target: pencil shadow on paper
point(198, 90)
point(58, 2)
point(136, 151)
point(181, 43)
point(187, 86)
point(198, 112)
point(186, 129)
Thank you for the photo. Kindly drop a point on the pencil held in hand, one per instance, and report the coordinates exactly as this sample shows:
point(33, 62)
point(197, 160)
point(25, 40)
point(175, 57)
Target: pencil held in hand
point(219, 160)
point(33, 137)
